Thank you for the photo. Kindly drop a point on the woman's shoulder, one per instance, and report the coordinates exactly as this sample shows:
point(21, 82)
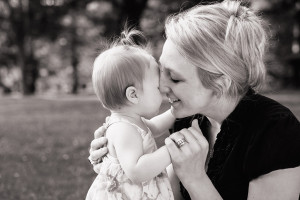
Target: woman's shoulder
point(257, 111)
point(268, 119)
point(263, 106)
point(274, 137)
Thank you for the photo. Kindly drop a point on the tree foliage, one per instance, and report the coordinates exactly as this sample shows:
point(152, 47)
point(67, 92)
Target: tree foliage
point(52, 42)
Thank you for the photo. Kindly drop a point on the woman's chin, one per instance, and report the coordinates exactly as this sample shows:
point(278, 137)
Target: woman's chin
point(176, 112)
point(180, 112)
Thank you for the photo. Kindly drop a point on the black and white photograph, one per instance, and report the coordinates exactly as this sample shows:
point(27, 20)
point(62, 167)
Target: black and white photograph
point(149, 99)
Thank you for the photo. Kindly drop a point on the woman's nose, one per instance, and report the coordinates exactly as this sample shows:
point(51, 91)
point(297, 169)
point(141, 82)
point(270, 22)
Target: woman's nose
point(163, 85)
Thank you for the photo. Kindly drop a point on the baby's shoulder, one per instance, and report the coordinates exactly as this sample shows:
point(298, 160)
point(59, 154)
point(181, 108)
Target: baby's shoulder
point(121, 129)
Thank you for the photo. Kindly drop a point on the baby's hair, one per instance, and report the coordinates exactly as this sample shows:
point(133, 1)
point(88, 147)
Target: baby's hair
point(224, 40)
point(119, 66)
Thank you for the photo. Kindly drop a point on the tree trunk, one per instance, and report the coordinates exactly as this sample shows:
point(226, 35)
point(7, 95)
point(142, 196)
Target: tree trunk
point(29, 75)
point(27, 61)
point(74, 61)
point(130, 13)
point(74, 54)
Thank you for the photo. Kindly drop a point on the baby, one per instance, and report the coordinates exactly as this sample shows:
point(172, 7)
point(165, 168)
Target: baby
point(126, 81)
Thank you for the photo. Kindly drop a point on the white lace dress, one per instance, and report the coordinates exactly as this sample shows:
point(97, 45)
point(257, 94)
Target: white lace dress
point(112, 183)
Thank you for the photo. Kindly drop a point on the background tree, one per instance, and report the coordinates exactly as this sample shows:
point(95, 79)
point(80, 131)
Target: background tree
point(53, 42)
point(283, 60)
point(24, 21)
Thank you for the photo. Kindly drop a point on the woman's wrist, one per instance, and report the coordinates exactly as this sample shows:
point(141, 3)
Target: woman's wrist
point(201, 186)
point(190, 182)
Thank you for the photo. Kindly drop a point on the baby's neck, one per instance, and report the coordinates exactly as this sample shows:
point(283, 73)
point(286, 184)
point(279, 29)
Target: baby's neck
point(132, 117)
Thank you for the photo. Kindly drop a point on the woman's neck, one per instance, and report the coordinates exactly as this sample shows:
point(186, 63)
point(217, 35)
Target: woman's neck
point(223, 107)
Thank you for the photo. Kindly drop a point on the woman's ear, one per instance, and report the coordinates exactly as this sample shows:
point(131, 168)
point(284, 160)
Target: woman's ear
point(225, 82)
point(131, 95)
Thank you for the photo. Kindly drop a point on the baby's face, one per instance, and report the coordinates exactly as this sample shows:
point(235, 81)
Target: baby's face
point(151, 97)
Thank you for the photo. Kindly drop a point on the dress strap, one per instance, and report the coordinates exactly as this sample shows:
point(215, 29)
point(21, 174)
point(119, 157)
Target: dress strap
point(118, 120)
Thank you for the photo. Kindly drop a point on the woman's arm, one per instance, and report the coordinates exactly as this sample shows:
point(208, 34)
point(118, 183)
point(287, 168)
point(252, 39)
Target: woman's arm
point(161, 123)
point(128, 145)
point(175, 183)
point(189, 163)
point(202, 188)
point(279, 184)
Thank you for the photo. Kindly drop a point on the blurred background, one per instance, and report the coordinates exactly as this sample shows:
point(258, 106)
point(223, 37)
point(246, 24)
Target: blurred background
point(48, 111)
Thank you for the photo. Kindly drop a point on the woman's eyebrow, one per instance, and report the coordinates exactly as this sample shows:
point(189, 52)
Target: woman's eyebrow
point(170, 71)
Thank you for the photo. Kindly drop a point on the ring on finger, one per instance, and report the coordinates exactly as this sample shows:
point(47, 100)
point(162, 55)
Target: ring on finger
point(180, 142)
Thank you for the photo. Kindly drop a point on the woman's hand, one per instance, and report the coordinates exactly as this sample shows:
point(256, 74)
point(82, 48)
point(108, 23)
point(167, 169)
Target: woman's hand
point(98, 148)
point(189, 159)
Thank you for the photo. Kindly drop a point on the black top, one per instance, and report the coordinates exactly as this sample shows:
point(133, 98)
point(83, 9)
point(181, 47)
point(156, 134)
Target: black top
point(258, 137)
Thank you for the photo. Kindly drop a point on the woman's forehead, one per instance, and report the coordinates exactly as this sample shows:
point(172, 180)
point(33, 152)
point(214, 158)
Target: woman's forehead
point(171, 60)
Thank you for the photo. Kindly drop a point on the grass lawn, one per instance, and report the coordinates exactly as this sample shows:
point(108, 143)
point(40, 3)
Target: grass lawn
point(44, 145)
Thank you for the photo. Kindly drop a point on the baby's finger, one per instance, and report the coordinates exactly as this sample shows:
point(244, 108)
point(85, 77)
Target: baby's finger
point(172, 148)
point(99, 132)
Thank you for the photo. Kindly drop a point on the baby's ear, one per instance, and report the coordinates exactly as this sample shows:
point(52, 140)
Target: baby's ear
point(131, 95)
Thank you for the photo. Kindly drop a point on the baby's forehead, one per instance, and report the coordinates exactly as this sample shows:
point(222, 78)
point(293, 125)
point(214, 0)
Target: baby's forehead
point(153, 61)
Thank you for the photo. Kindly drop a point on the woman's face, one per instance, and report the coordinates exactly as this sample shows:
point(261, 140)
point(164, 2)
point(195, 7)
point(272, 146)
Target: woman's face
point(180, 81)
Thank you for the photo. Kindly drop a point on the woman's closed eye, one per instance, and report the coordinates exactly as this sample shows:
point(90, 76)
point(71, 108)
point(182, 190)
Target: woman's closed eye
point(174, 80)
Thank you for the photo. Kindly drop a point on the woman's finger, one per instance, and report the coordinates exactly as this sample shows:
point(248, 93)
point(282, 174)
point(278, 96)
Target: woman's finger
point(172, 148)
point(189, 137)
point(194, 145)
point(107, 119)
point(198, 136)
point(96, 154)
point(176, 136)
point(98, 143)
point(195, 125)
point(196, 130)
point(97, 168)
point(99, 132)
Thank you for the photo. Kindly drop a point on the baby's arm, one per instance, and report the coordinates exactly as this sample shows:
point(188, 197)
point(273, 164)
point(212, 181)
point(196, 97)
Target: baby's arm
point(128, 145)
point(161, 123)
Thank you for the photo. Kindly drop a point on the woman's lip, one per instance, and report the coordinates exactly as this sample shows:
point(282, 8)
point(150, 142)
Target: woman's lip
point(173, 100)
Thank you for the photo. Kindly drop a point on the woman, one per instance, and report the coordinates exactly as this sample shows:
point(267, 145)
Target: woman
point(248, 146)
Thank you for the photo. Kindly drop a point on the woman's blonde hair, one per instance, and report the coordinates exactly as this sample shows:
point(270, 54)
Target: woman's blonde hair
point(224, 40)
point(122, 65)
